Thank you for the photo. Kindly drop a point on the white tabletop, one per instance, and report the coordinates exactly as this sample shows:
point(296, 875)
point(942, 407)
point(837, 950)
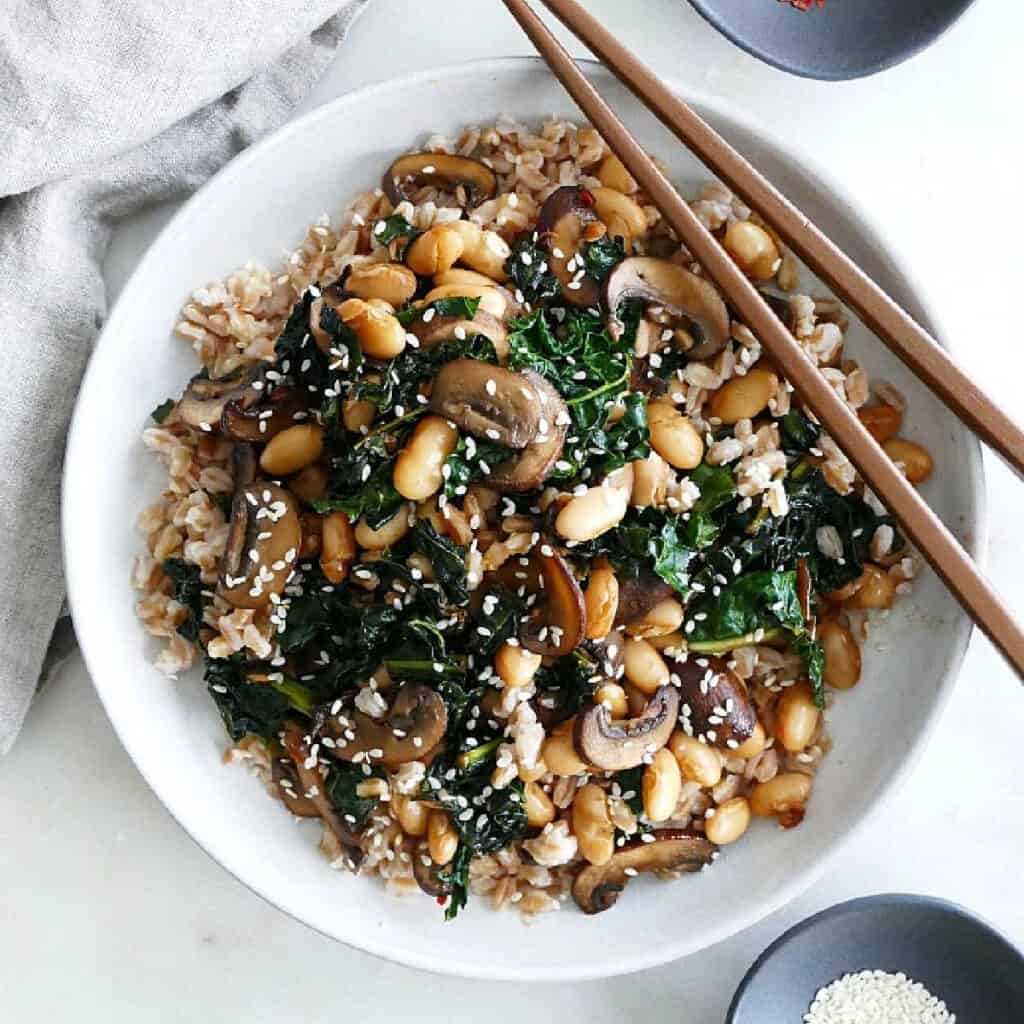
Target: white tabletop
point(110, 913)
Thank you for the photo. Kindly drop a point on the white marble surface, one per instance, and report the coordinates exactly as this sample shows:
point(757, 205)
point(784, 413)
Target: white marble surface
point(110, 913)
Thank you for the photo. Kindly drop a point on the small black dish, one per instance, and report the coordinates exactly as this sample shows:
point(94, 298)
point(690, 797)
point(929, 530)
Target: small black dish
point(843, 39)
point(954, 954)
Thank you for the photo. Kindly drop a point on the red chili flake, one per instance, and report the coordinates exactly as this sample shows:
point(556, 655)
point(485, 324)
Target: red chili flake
point(441, 900)
point(803, 5)
point(587, 197)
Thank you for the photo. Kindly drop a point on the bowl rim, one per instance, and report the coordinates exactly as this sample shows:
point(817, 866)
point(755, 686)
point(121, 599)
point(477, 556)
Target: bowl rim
point(78, 582)
point(712, 16)
point(948, 908)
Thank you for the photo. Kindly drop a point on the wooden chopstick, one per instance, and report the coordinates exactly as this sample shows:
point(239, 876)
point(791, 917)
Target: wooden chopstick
point(918, 521)
point(884, 317)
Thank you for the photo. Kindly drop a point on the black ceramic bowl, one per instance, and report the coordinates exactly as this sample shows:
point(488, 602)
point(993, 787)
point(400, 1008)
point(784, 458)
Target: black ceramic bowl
point(955, 955)
point(843, 39)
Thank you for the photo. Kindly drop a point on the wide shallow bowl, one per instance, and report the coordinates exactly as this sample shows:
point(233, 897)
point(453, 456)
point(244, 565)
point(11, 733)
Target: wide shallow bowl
point(844, 39)
point(258, 207)
point(957, 956)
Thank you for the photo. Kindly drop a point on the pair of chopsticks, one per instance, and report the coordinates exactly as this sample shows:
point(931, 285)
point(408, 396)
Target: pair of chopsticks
point(879, 312)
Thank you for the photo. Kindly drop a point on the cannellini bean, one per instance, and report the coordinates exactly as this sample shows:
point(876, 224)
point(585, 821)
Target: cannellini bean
point(881, 421)
point(491, 300)
point(293, 449)
point(877, 589)
point(650, 481)
point(388, 281)
point(743, 398)
point(664, 618)
point(515, 665)
point(621, 214)
point(386, 535)
point(613, 174)
point(601, 599)
point(418, 468)
point(380, 334)
point(796, 717)
point(413, 815)
point(753, 249)
point(442, 839)
point(784, 797)
point(337, 546)
point(674, 437)
point(358, 414)
point(753, 744)
point(592, 824)
point(699, 762)
point(484, 251)
point(614, 698)
point(730, 820)
point(916, 461)
point(539, 808)
point(592, 513)
point(459, 276)
point(842, 655)
point(645, 667)
point(661, 785)
point(559, 754)
point(311, 484)
point(435, 250)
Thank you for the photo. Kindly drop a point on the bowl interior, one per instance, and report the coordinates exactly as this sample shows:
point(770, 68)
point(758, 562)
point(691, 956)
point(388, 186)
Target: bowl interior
point(255, 210)
point(956, 956)
point(842, 40)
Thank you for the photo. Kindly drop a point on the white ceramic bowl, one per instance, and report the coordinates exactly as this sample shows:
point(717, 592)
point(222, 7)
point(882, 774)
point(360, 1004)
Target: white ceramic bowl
point(253, 210)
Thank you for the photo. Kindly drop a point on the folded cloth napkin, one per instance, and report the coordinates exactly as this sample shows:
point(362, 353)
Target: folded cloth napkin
point(106, 107)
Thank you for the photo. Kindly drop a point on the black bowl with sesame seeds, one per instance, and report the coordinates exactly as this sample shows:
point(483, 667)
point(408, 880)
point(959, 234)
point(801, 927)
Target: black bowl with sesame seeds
point(500, 540)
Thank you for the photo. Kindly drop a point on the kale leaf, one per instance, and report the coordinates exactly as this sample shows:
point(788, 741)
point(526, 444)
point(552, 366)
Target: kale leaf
point(361, 483)
point(455, 877)
point(649, 537)
point(340, 787)
point(462, 306)
point(188, 592)
point(387, 229)
point(601, 256)
point(246, 708)
point(761, 600)
point(162, 411)
point(447, 558)
point(797, 433)
point(529, 269)
point(471, 461)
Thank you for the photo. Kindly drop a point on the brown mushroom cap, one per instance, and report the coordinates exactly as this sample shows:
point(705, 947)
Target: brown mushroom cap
point(441, 170)
point(715, 704)
point(597, 887)
point(428, 875)
point(560, 225)
point(614, 745)
point(260, 508)
point(312, 786)
point(282, 408)
point(531, 467)
point(677, 290)
point(488, 401)
point(639, 594)
point(204, 400)
point(558, 623)
point(440, 329)
point(286, 778)
point(414, 726)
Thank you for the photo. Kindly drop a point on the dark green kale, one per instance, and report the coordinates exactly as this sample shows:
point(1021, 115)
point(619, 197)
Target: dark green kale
point(162, 411)
point(529, 269)
point(361, 484)
point(471, 461)
point(797, 433)
point(462, 306)
point(813, 655)
point(252, 708)
point(387, 229)
point(764, 600)
point(717, 490)
point(455, 878)
point(188, 592)
point(340, 787)
point(601, 256)
point(447, 558)
point(568, 683)
point(496, 619)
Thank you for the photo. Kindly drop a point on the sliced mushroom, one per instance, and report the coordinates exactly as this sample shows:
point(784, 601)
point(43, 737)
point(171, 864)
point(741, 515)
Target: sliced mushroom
point(676, 290)
point(623, 743)
point(203, 403)
point(715, 703)
point(414, 726)
point(263, 544)
point(243, 464)
point(285, 777)
point(488, 401)
point(608, 653)
point(439, 329)
point(432, 878)
point(312, 785)
point(558, 622)
point(639, 594)
point(282, 408)
point(597, 887)
point(561, 223)
point(441, 170)
point(531, 467)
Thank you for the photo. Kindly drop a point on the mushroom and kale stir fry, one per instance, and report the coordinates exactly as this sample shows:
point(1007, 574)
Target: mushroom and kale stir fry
point(510, 557)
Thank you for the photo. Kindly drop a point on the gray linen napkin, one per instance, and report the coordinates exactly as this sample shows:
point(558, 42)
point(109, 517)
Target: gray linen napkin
point(106, 106)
